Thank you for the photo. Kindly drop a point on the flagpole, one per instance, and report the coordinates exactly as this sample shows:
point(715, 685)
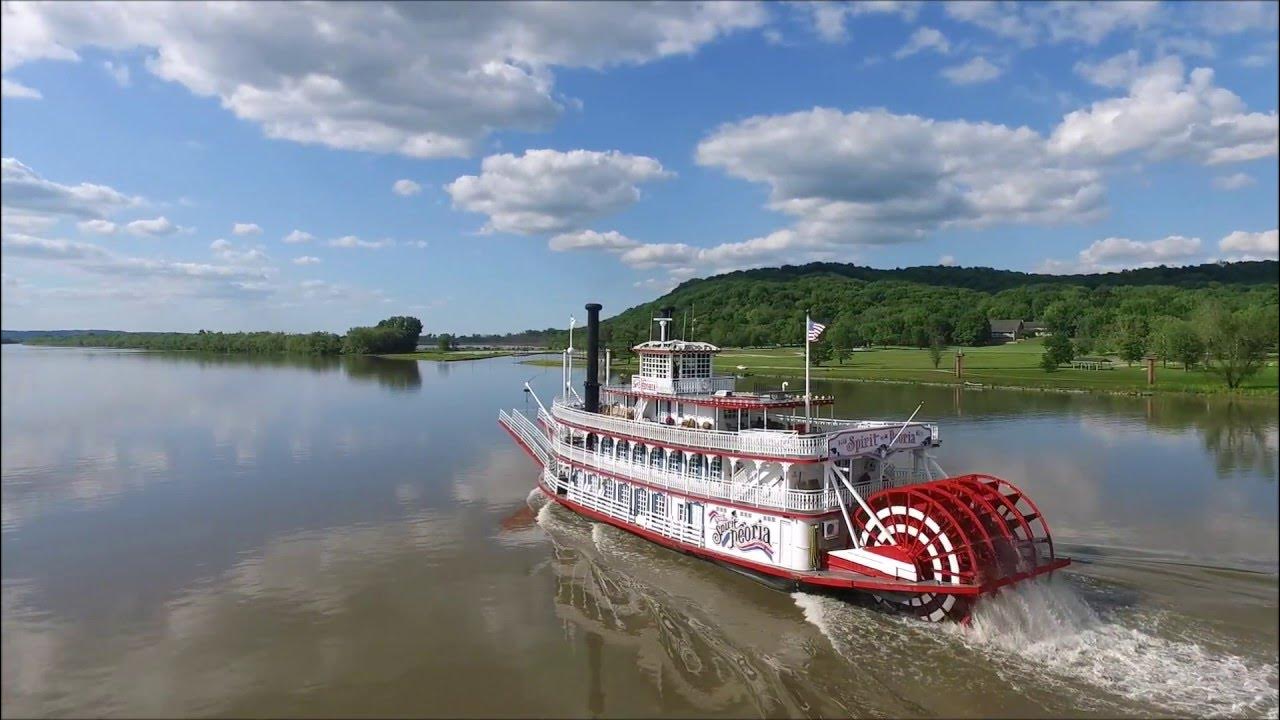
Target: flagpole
point(806, 365)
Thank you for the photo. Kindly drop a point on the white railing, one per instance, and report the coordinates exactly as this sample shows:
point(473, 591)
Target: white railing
point(834, 425)
point(779, 498)
point(532, 436)
point(773, 443)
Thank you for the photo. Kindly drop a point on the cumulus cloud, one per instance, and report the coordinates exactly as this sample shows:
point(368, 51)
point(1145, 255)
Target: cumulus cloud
point(227, 251)
point(20, 245)
point(1242, 245)
point(924, 38)
point(947, 261)
point(859, 178)
point(24, 191)
point(1117, 253)
point(591, 240)
point(306, 260)
point(1166, 114)
point(547, 191)
point(406, 187)
point(298, 236)
point(353, 242)
point(829, 18)
point(12, 89)
point(1033, 23)
point(1237, 17)
point(246, 229)
point(118, 72)
point(1234, 181)
point(155, 227)
point(419, 79)
point(97, 227)
point(977, 70)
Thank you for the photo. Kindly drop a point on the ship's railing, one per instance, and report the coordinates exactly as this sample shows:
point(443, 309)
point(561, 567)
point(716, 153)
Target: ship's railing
point(531, 434)
point(781, 444)
point(699, 484)
point(834, 425)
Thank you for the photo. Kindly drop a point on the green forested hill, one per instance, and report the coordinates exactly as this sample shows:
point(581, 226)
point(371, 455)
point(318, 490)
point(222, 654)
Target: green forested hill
point(913, 306)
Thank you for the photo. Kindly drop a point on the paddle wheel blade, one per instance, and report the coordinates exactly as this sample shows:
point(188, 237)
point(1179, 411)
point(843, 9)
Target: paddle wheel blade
point(966, 531)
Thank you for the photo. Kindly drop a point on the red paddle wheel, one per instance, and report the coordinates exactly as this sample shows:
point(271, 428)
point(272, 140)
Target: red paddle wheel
point(970, 530)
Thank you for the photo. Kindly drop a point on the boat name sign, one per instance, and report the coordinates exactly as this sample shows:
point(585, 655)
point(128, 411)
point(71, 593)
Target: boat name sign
point(855, 443)
point(742, 533)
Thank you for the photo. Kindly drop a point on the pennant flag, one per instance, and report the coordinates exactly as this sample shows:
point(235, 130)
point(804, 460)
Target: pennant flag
point(815, 331)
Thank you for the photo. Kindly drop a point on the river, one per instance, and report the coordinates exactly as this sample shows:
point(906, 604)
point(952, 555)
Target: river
point(187, 535)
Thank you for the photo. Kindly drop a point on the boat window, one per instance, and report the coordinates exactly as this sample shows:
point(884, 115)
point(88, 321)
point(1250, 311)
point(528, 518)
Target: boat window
point(830, 529)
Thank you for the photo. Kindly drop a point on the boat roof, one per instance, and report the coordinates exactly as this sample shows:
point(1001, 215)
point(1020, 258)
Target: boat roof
point(676, 346)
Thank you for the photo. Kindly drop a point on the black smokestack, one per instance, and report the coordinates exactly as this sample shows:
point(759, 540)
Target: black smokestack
point(591, 399)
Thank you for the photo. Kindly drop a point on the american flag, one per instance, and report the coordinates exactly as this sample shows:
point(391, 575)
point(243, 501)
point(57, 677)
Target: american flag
point(815, 331)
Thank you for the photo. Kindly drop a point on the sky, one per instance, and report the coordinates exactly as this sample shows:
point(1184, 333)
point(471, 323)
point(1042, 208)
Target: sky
point(489, 167)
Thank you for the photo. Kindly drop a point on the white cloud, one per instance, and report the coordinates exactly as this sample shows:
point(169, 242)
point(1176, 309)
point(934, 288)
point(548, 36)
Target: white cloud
point(155, 227)
point(1117, 253)
point(419, 79)
point(1114, 72)
point(947, 261)
point(829, 18)
point(547, 191)
point(246, 229)
point(1031, 23)
point(1166, 116)
point(12, 89)
point(1236, 17)
point(298, 236)
point(977, 70)
point(226, 251)
point(406, 187)
point(924, 38)
point(97, 227)
point(20, 245)
point(420, 244)
point(351, 241)
point(23, 191)
point(118, 72)
point(306, 260)
point(591, 240)
point(1233, 182)
point(1242, 245)
point(1262, 56)
point(851, 179)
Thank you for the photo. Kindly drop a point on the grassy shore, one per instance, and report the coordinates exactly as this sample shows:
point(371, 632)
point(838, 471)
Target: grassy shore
point(1012, 365)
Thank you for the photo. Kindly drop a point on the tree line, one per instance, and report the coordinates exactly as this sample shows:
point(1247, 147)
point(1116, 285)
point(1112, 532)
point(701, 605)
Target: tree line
point(393, 335)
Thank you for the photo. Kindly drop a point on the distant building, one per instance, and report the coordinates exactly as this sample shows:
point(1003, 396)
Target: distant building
point(1007, 330)
point(1034, 329)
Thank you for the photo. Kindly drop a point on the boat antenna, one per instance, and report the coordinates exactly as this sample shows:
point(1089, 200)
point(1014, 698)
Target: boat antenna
point(904, 426)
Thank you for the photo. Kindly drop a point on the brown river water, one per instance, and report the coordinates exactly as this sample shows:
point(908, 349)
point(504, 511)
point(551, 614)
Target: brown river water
point(188, 535)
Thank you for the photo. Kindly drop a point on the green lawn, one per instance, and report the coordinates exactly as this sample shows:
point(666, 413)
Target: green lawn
point(1015, 364)
point(1012, 365)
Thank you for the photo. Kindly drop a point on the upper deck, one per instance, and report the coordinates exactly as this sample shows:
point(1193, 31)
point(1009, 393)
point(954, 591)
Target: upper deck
point(845, 438)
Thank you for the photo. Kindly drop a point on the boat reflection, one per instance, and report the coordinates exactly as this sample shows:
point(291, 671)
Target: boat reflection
point(612, 589)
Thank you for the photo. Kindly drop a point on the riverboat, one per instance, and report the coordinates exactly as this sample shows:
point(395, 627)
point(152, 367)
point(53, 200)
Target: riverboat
point(764, 483)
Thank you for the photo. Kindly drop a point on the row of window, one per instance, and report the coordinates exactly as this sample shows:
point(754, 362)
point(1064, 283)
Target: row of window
point(685, 366)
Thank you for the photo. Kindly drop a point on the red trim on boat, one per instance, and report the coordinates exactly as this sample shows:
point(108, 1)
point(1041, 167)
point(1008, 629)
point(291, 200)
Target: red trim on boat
point(866, 584)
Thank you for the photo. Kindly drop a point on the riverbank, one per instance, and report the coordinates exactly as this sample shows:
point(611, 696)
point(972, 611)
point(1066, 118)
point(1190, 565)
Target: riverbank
point(459, 355)
point(1012, 366)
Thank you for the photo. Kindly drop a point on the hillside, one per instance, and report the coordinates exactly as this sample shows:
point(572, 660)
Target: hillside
point(911, 306)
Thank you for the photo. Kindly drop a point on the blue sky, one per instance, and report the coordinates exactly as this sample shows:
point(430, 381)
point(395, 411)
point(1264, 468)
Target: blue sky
point(492, 168)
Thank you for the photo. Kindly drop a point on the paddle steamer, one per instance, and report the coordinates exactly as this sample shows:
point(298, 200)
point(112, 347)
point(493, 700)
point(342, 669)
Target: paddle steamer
point(763, 482)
